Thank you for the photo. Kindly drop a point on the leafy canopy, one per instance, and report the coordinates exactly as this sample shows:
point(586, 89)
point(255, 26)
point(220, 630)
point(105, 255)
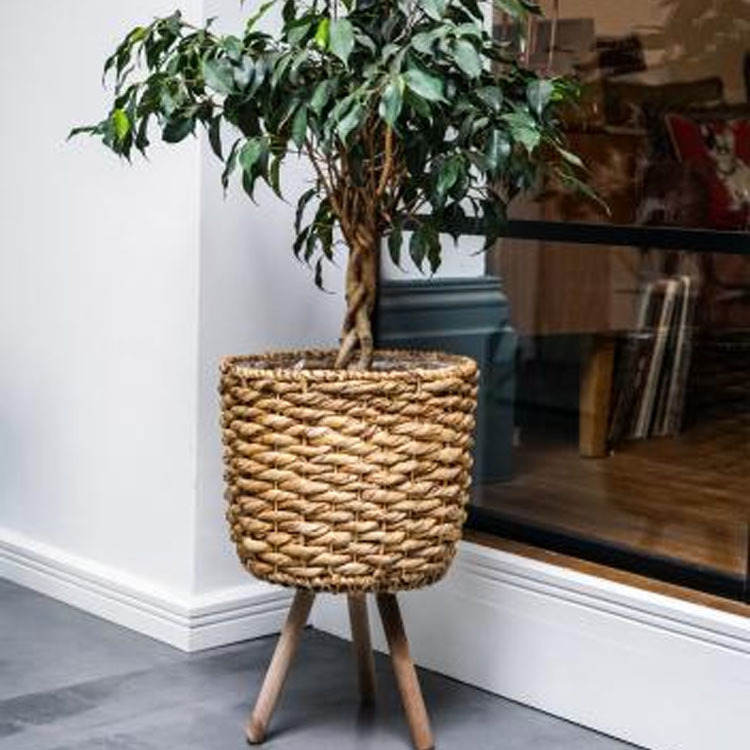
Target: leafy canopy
point(412, 115)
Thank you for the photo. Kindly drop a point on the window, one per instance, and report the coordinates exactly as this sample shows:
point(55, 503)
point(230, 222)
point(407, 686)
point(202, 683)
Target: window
point(631, 356)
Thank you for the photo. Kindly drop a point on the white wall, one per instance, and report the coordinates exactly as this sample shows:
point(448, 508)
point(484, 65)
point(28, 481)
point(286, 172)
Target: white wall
point(98, 307)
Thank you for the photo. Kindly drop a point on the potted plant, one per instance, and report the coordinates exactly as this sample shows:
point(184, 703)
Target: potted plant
point(349, 471)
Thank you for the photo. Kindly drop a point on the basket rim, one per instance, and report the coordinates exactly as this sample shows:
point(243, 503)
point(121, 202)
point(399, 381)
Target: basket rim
point(449, 365)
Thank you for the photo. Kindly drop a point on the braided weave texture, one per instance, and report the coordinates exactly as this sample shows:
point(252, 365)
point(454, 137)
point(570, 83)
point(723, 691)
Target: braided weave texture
point(347, 480)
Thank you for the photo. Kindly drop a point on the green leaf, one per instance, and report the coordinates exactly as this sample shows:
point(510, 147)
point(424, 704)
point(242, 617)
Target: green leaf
point(416, 156)
point(469, 29)
point(300, 240)
point(167, 102)
point(299, 126)
point(434, 9)
point(250, 154)
point(248, 184)
point(423, 84)
point(218, 75)
point(467, 58)
point(233, 47)
point(524, 129)
point(231, 163)
point(571, 182)
point(324, 221)
point(305, 198)
point(274, 176)
point(297, 31)
point(418, 247)
point(120, 124)
point(395, 240)
point(571, 158)
point(295, 72)
point(392, 100)
point(322, 34)
point(363, 40)
point(532, 6)
point(84, 130)
point(349, 122)
point(514, 8)
point(492, 96)
point(319, 274)
point(494, 219)
point(214, 136)
point(390, 51)
point(280, 69)
point(424, 41)
point(463, 182)
point(341, 39)
point(287, 109)
point(261, 71)
point(539, 93)
point(141, 138)
point(177, 130)
point(260, 13)
point(312, 241)
point(425, 243)
point(434, 252)
point(453, 220)
point(243, 73)
point(419, 105)
point(321, 95)
point(473, 7)
point(446, 178)
point(497, 150)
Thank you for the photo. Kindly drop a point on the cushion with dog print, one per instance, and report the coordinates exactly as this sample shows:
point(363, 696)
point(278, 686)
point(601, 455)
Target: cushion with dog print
point(720, 149)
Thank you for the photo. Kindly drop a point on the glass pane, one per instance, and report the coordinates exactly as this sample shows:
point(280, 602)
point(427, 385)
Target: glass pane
point(664, 121)
point(630, 397)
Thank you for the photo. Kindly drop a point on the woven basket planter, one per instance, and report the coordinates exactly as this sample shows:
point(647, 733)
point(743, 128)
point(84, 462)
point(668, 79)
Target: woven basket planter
point(347, 481)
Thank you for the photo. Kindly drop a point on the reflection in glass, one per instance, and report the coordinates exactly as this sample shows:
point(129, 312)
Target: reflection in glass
point(664, 121)
point(631, 408)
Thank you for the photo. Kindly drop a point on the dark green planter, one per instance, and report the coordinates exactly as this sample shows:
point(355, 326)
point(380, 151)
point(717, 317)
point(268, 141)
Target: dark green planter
point(463, 316)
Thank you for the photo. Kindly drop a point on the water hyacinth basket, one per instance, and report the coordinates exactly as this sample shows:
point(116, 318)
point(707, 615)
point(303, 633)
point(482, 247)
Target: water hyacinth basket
point(346, 480)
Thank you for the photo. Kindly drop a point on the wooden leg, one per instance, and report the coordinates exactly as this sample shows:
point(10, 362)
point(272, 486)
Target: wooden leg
point(362, 647)
point(279, 667)
point(406, 675)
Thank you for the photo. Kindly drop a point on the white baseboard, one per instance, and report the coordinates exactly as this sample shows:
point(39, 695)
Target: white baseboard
point(658, 672)
point(191, 624)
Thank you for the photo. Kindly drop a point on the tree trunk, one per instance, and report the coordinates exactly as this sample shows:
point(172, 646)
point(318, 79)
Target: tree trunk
point(356, 346)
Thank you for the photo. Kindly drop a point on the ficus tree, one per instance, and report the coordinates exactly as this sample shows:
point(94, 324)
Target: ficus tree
point(413, 117)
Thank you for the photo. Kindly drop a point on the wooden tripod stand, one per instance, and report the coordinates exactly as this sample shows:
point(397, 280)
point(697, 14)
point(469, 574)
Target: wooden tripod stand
point(403, 667)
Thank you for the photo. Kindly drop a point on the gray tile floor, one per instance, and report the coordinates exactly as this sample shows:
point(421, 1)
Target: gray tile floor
point(69, 681)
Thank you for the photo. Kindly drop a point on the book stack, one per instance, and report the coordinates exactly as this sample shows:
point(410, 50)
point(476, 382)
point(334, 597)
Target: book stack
point(653, 363)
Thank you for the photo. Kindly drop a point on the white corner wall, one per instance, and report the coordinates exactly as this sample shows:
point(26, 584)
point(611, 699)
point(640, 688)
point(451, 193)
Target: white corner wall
point(98, 308)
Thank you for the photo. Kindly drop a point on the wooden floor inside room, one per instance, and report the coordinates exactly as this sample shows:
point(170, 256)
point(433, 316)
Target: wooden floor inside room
point(686, 498)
